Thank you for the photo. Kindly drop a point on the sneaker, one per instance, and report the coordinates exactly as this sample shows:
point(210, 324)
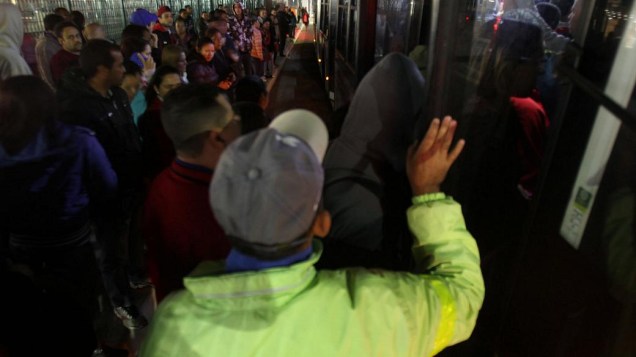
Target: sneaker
point(140, 284)
point(130, 317)
point(109, 352)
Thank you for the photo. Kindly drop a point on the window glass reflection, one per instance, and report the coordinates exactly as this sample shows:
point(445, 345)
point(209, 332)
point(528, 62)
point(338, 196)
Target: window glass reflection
point(351, 43)
point(392, 23)
point(341, 40)
point(505, 86)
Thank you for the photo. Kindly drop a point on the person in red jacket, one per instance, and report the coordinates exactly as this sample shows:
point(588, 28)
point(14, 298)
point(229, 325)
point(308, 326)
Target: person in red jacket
point(69, 36)
point(163, 28)
point(178, 224)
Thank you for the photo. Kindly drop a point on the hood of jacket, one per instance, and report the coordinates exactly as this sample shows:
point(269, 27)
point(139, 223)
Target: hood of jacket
point(238, 3)
point(11, 27)
point(73, 84)
point(384, 118)
point(42, 146)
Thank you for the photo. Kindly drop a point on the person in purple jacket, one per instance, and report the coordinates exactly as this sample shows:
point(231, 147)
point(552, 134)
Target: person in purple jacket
point(54, 178)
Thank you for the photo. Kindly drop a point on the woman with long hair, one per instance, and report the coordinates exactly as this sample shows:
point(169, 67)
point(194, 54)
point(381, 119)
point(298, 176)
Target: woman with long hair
point(175, 56)
point(157, 148)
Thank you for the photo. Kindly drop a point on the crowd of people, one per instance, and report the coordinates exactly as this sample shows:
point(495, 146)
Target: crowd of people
point(133, 165)
point(248, 43)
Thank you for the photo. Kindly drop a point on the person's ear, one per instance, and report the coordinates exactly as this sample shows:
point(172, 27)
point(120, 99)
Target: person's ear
point(263, 101)
point(215, 141)
point(322, 224)
point(102, 71)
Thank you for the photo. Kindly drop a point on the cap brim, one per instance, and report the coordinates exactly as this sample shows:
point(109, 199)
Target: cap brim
point(306, 126)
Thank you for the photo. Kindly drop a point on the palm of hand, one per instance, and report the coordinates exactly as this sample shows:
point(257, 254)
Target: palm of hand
point(428, 163)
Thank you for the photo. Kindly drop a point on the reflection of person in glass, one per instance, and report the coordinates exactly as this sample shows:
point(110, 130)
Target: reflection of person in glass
point(507, 127)
point(619, 224)
point(365, 170)
point(618, 237)
point(526, 11)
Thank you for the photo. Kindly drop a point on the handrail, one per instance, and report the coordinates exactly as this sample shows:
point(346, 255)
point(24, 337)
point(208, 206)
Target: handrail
point(625, 116)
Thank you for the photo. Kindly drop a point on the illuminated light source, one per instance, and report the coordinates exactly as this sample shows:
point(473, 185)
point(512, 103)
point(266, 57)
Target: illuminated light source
point(327, 78)
point(496, 24)
point(319, 60)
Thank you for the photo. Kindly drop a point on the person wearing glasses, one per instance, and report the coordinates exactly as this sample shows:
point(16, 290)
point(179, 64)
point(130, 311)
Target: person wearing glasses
point(178, 224)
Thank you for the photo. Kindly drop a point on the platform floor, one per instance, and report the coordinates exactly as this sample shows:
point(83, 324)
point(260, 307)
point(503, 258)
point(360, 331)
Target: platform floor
point(297, 82)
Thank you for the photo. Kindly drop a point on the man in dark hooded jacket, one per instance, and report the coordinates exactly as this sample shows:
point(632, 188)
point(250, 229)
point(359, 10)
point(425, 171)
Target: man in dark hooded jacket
point(91, 97)
point(366, 187)
point(283, 25)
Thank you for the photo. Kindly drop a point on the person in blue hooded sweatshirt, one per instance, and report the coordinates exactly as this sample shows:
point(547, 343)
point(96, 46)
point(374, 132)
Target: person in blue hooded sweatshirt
point(53, 178)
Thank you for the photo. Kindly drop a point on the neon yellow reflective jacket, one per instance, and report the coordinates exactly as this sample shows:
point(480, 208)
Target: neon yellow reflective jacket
point(298, 311)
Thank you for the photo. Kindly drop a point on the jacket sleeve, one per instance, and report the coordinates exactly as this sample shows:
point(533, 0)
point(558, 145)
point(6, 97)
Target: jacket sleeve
point(57, 69)
point(42, 60)
point(447, 256)
point(233, 29)
point(151, 230)
point(102, 180)
point(201, 73)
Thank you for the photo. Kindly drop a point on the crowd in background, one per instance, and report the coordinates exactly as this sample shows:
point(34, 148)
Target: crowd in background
point(112, 155)
point(74, 77)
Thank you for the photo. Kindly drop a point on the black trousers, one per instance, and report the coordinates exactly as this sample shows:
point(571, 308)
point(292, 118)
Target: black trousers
point(246, 61)
point(119, 247)
point(51, 295)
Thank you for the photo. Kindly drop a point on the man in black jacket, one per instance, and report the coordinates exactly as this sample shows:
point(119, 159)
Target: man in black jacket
point(283, 25)
point(91, 97)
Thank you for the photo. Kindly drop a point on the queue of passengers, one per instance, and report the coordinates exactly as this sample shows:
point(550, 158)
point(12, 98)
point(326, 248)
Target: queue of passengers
point(244, 50)
point(188, 187)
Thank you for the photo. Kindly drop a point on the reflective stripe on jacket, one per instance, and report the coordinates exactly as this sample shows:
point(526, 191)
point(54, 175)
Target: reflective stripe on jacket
point(298, 311)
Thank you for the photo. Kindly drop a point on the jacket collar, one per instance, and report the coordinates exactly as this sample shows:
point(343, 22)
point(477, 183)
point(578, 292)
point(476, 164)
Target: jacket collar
point(156, 104)
point(75, 83)
point(159, 27)
point(210, 285)
point(191, 172)
point(237, 261)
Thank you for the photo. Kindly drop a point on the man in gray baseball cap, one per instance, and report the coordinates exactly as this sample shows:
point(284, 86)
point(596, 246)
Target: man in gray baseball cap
point(267, 298)
point(279, 170)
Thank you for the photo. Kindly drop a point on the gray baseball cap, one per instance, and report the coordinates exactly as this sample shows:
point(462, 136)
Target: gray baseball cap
point(267, 185)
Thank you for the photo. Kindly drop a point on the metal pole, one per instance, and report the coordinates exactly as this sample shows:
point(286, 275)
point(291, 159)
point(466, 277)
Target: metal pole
point(123, 13)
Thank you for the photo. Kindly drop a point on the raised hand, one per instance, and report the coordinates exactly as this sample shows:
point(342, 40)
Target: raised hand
point(149, 65)
point(428, 163)
point(225, 85)
point(154, 39)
